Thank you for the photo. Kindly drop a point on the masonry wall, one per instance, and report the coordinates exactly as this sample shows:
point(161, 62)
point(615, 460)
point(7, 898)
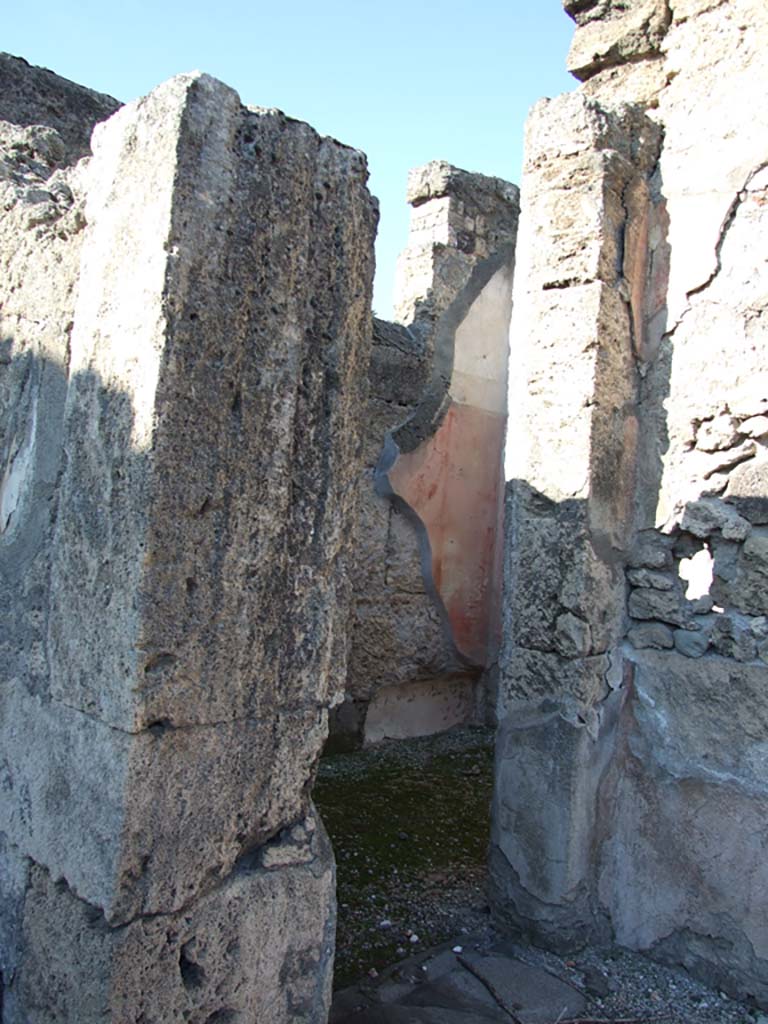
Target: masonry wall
point(185, 335)
point(427, 578)
point(631, 785)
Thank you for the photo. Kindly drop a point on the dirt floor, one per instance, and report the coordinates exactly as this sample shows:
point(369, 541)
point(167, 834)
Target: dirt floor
point(409, 822)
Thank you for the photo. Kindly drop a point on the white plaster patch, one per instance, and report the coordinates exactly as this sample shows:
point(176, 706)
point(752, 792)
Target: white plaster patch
point(419, 709)
point(18, 473)
point(481, 347)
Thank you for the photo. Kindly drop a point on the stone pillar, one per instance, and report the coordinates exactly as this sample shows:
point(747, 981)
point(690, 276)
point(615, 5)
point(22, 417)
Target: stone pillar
point(578, 322)
point(189, 633)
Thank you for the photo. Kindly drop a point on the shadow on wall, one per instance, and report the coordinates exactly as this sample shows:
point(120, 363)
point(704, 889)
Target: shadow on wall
point(115, 809)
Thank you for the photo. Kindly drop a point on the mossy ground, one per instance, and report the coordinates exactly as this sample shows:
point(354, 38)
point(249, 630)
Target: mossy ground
point(409, 822)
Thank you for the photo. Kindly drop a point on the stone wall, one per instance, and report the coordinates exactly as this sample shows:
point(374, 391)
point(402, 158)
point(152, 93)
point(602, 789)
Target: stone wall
point(631, 786)
point(427, 579)
point(185, 332)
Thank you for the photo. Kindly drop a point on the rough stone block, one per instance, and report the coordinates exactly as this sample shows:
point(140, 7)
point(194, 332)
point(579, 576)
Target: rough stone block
point(704, 517)
point(692, 645)
point(615, 33)
point(528, 675)
point(648, 578)
point(747, 490)
point(258, 946)
point(665, 605)
point(183, 443)
point(741, 574)
point(652, 634)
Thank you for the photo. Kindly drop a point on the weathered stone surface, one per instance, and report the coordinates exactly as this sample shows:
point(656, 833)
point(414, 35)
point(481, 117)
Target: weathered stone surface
point(612, 32)
point(652, 634)
point(527, 675)
point(573, 637)
point(456, 988)
point(665, 605)
point(720, 432)
point(732, 638)
point(704, 517)
point(36, 96)
point(151, 631)
point(187, 321)
point(648, 578)
point(457, 218)
point(258, 946)
point(691, 644)
point(159, 468)
point(680, 250)
point(541, 852)
point(397, 640)
point(755, 426)
point(554, 566)
point(685, 798)
point(741, 580)
point(651, 550)
point(527, 993)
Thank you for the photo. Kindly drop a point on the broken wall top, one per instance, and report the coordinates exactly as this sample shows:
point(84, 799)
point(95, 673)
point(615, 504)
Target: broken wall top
point(31, 95)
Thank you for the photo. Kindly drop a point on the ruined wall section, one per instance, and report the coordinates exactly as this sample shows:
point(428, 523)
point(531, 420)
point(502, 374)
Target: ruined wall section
point(570, 457)
point(665, 791)
point(422, 629)
point(36, 96)
point(183, 504)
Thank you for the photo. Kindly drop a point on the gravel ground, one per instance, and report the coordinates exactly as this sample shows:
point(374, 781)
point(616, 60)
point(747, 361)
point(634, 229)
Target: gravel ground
point(409, 822)
point(624, 986)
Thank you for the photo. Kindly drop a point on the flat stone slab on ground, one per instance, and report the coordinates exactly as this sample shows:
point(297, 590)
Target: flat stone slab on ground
point(424, 1015)
point(458, 989)
point(530, 994)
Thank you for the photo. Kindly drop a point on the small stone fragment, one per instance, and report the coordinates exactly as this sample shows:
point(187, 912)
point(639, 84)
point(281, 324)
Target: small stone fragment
point(573, 636)
point(717, 434)
point(756, 426)
point(596, 983)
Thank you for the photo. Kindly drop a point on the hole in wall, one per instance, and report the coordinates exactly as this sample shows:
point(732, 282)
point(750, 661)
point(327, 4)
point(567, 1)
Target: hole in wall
point(192, 974)
point(697, 573)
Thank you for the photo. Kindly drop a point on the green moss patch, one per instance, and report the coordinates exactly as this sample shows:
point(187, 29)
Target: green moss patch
point(409, 822)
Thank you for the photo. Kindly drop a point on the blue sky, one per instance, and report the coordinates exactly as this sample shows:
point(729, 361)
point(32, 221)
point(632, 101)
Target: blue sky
point(404, 82)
